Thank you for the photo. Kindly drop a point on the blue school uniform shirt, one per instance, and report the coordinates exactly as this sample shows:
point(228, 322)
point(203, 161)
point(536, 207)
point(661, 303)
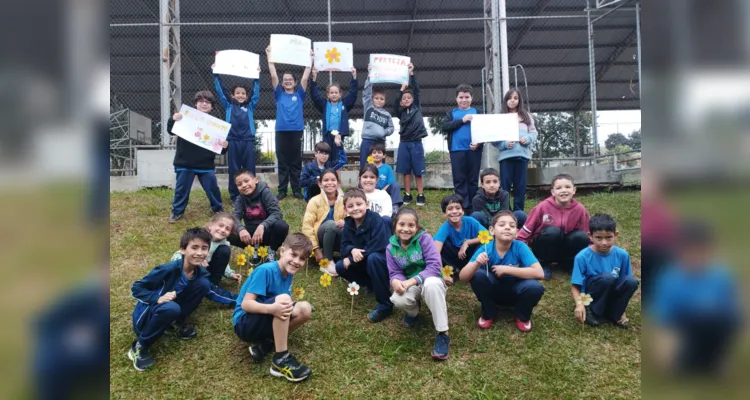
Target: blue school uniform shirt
point(385, 176)
point(470, 229)
point(289, 109)
point(182, 283)
point(329, 217)
point(589, 263)
point(462, 136)
point(267, 282)
point(518, 255)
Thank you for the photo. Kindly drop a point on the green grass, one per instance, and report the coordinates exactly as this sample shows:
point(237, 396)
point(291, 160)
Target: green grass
point(353, 358)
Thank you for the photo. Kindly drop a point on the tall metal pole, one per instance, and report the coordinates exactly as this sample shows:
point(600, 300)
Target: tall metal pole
point(504, 49)
point(592, 80)
point(176, 67)
point(638, 38)
point(489, 155)
point(164, 69)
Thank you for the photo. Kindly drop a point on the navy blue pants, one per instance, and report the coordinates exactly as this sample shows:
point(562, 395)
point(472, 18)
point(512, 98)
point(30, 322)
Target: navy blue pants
point(611, 295)
point(706, 339)
point(255, 327)
point(364, 150)
point(394, 190)
point(216, 268)
point(183, 185)
point(150, 321)
point(449, 254)
point(552, 246)
point(273, 237)
point(241, 155)
point(485, 219)
point(513, 172)
point(372, 272)
point(491, 291)
point(465, 171)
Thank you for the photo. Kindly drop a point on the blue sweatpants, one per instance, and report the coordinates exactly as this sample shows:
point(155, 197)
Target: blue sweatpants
point(241, 155)
point(485, 219)
point(611, 295)
point(491, 291)
point(394, 190)
point(513, 172)
point(150, 320)
point(465, 171)
point(184, 183)
point(372, 272)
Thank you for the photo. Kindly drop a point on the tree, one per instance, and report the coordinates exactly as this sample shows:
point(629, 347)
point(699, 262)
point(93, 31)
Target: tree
point(436, 126)
point(634, 139)
point(614, 140)
point(557, 133)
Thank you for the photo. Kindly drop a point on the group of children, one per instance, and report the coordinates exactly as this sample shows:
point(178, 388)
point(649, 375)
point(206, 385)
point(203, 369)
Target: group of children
point(398, 261)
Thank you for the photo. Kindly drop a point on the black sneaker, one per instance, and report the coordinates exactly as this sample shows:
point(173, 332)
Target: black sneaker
point(591, 318)
point(140, 357)
point(260, 350)
point(182, 331)
point(299, 195)
point(280, 196)
point(174, 218)
point(420, 199)
point(288, 367)
point(407, 198)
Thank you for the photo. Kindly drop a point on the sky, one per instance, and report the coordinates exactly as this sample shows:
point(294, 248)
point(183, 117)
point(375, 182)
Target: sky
point(609, 122)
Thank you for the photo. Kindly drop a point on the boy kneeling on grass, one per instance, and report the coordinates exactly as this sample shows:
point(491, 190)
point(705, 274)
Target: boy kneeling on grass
point(168, 295)
point(265, 313)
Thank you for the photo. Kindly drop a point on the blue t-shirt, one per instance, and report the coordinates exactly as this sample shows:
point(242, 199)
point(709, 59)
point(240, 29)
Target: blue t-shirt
point(182, 283)
point(589, 263)
point(267, 282)
point(462, 136)
point(329, 217)
point(518, 255)
point(385, 176)
point(333, 112)
point(289, 109)
point(470, 229)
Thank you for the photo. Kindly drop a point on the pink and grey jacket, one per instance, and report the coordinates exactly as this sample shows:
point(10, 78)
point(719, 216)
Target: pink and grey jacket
point(548, 213)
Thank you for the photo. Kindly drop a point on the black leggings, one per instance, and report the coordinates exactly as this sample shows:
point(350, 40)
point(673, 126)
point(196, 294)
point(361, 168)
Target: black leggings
point(273, 237)
point(218, 263)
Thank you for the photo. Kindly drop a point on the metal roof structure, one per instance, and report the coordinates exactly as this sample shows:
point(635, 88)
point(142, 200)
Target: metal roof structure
point(444, 38)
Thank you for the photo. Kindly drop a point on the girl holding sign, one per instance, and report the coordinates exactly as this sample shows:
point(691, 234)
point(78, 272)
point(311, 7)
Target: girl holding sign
point(290, 125)
point(514, 157)
point(335, 112)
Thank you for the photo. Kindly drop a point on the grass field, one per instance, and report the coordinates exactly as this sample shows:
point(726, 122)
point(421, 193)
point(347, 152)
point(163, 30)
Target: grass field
point(353, 358)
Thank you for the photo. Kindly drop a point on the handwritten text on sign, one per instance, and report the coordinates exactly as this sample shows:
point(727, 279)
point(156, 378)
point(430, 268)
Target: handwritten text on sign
point(389, 68)
point(290, 49)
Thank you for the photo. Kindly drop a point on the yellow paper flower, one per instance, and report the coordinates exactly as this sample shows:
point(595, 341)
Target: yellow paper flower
point(250, 271)
point(370, 160)
point(447, 270)
point(353, 289)
point(585, 299)
point(333, 55)
point(250, 250)
point(241, 260)
point(299, 292)
point(484, 237)
point(263, 251)
point(325, 280)
point(324, 263)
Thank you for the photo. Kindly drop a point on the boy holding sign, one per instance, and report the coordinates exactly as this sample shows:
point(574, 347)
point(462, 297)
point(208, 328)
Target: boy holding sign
point(412, 130)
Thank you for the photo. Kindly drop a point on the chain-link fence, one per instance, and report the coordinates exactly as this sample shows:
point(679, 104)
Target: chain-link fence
point(162, 52)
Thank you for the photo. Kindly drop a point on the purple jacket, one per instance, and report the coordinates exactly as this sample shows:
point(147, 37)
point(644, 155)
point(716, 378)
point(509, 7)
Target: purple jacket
point(420, 260)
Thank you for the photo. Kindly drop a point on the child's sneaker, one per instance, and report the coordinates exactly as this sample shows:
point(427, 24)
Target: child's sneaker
point(259, 351)
point(407, 198)
point(523, 326)
point(440, 350)
point(288, 367)
point(182, 331)
point(377, 315)
point(420, 199)
point(174, 218)
point(331, 270)
point(410, 322)
point(591, 318)
point(271, 256)
point(485, 323)
point(140, 357)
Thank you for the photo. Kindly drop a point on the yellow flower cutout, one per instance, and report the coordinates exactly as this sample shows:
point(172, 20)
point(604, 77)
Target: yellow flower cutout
point(325, 280)
point(299, 292)
point(250, 250)
point(241, 260)
point(447, 270)
point(585, 299)
point(370, 160)
point(263, 251)
point(250, 271)
point(324, 263)
point(484, 237)
point(206, 137)
point(333, 55)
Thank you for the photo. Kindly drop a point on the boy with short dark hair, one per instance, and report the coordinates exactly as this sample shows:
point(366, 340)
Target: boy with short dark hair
point(265, 313)
point(603, 271)
point(491, 198)
point(457, 239)
point(311, 172)
point(259, 209)
point(377, 122)
point(466, 156)
point(386, 179)
point(191, 160)
point(411, 131)
point(363, 243)
point(168, 295)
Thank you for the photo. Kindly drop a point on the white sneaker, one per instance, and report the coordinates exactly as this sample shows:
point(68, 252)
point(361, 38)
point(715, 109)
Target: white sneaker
point(331, 270)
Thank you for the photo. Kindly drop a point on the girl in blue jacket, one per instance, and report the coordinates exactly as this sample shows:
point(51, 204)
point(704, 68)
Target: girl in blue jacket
point(335, 112)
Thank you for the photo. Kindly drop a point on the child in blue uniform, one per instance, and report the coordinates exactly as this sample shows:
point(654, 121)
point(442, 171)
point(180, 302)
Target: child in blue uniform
point(335, 110)
point(456, 240)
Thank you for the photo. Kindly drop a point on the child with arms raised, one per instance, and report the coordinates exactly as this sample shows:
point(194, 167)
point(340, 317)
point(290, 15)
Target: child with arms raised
point(414, 269)
point(265, 313)
point(377, 124)
point(411, 131)
point(335, 111)
point(259, 208)
point(324, 217)
point(457, 239)
point(505, 272)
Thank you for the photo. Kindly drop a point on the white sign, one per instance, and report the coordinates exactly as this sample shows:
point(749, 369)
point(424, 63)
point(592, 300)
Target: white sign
point(290, 49)
point(389, 68)
point(494, 127)
point(236, 62)
point(201, 129)
point(333, 56)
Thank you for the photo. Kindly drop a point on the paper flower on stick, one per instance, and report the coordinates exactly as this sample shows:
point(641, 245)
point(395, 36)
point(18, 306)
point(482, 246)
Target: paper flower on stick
point(250, 250)
point(370, 160)
point(333, 55)
point(324, 263)
point(241, 260)
point(353, 289)
point(325, 280)
point(299, 292)
point(585, 299)
point(447, 270)
point(263, 251)
point(484, 237)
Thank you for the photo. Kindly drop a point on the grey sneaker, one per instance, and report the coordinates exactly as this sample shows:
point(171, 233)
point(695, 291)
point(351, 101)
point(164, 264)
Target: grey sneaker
point(140, 357)
point(182, 331)
point(174, 218)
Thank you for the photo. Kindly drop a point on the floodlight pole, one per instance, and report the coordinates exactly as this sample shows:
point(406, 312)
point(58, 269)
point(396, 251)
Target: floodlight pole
point(504, 51)
point(170, 71)
point(638, 33)
point(498, 30)
point(592, 80)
